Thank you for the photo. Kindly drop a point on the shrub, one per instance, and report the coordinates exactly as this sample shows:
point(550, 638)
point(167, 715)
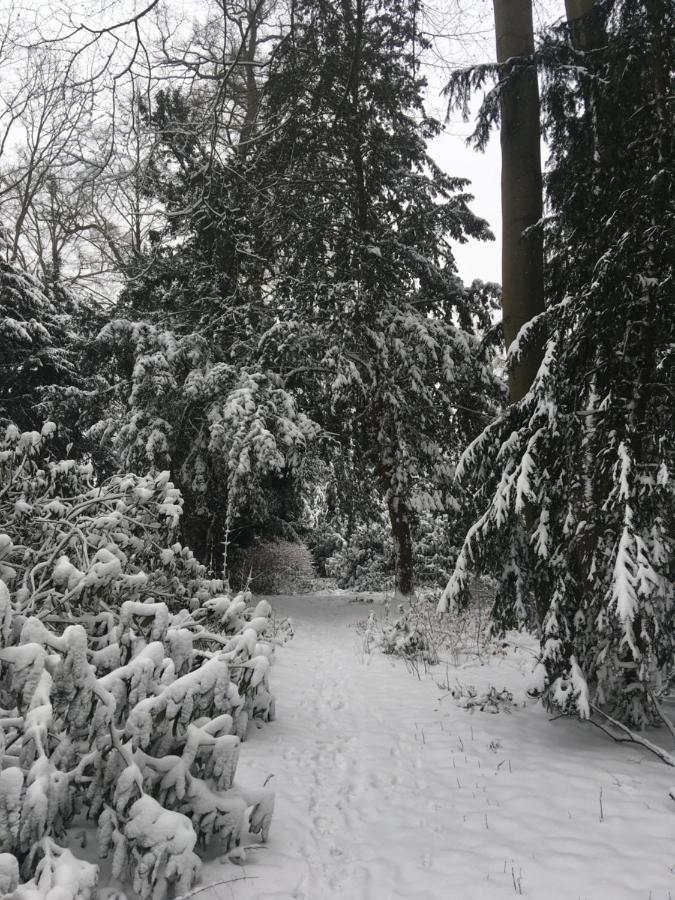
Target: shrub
point(366, 561)
point(127, 680)
point(324, 542)
point(273, 567)
point(422, 636)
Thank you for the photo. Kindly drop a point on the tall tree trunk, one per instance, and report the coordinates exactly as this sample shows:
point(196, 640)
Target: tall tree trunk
point(521, 187)
point(587, 29)
point(403, 546)
point(251, 97)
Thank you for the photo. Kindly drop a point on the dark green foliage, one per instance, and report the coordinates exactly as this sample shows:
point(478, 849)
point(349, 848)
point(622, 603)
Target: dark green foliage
point(35, 346)
point(576, 480)
point(373, 322)
point(320, 261)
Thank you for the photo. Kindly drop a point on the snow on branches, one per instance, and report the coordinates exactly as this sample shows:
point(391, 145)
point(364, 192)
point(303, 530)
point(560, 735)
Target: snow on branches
point(222, 429)
point(582, 534)
point(574, 484)
point(127, 679)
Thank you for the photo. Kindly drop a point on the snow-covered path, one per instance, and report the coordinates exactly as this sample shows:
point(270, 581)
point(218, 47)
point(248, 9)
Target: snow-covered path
point(386, 789)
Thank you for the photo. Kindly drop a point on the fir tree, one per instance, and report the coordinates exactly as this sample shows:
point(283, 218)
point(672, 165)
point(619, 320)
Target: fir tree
point(36, 343)
point(589, 449)
point(374, 332)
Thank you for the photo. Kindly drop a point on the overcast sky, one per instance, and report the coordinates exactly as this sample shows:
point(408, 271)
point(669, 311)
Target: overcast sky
point(475, 259)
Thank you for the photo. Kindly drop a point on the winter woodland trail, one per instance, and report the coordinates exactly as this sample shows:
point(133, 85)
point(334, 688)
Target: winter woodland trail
point(386, 789)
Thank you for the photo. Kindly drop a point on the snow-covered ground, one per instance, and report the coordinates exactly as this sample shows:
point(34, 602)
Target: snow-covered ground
point(387, 789)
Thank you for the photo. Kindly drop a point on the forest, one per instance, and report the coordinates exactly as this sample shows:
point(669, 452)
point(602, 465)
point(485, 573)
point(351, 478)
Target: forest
point(238, 362)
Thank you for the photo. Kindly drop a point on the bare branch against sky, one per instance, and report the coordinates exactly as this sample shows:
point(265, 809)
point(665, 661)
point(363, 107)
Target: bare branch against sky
point(109, 43)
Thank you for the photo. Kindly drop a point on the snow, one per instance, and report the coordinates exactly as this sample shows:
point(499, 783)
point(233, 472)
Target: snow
point(387, 788)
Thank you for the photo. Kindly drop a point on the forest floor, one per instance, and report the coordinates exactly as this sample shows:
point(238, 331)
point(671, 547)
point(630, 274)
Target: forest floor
point(387, 788)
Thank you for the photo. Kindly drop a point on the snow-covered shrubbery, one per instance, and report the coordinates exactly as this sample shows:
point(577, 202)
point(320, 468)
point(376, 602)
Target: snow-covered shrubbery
point(272, 567)
point(127, 679)
point(423, 636)
point(366, 561)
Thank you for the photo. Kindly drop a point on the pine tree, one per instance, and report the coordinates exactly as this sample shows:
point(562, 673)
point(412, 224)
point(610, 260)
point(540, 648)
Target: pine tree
point(36, 343)
point(375, 333)
point(590, 447)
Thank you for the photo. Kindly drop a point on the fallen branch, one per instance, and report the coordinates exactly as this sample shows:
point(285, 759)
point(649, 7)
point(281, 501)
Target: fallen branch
point(215, 884)
point(631, 737)
point(661, 714)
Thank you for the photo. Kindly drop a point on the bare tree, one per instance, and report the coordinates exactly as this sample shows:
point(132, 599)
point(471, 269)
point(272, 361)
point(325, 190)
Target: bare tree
point(76, 130)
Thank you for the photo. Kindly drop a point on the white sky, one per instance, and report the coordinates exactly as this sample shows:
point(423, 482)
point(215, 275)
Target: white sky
point(465, 35)
point(475, 259)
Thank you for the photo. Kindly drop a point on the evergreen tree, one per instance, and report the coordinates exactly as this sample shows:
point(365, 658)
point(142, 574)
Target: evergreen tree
point(374, 331)
point(193, 394)
point(594, 568)
point(36, 343)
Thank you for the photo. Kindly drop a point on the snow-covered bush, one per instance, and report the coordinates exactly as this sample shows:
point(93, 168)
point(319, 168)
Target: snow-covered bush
point(273, 567)
point(127, 678)
point(422, 635)
point(324, 542)
point(435, 550)
point(492, 700)
point(366, 561)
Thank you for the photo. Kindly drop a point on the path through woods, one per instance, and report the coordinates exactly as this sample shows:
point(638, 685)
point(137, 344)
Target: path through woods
point(387, 789)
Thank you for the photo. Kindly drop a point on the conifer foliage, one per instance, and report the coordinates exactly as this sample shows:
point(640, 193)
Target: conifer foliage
point(127, 680)
point(35, 342)
point(374, 327)
point(576, 480)
point(223, 428)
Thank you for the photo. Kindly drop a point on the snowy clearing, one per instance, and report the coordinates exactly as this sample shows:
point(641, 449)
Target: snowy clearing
point(387, 789)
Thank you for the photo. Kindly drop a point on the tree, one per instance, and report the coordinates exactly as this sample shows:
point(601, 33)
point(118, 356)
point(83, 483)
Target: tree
point(374, 331)
point(38, 351)
point(585, 22)
point(594, 568)
point(227, 431)
point(522, 250)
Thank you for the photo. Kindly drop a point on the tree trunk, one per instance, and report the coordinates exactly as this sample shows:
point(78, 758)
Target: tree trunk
point(521, 188)
point(403, 546)
point(251, 98)
point(586, 29)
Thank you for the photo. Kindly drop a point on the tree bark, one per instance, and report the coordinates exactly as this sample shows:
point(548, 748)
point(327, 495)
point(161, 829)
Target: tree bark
point(586, 29)
point(521, 190)
point(251, 98)
point(404, 586)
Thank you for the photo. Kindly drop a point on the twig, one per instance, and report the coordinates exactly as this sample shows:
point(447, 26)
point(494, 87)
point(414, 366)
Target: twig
point(631, 737)
point(213, 885)
point(664, 718)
